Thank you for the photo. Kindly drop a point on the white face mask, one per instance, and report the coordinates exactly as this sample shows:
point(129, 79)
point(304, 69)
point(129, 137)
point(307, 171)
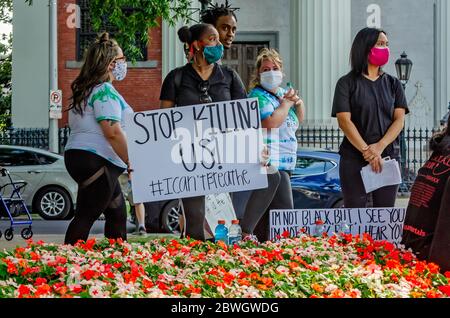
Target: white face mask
point(271, 80)
point(120, 71)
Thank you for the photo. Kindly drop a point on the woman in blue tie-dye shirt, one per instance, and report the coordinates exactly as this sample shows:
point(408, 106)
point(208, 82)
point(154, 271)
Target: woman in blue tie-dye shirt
point(281, 111)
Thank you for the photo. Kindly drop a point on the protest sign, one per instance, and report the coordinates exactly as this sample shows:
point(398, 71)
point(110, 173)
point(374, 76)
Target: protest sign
point(196, 150)
point(383, 224)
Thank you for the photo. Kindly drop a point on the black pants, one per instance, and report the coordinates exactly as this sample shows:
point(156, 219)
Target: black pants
point(259, 202)
point(194, 208)
point(282, 200)
point(98, 192)
point(355, 195)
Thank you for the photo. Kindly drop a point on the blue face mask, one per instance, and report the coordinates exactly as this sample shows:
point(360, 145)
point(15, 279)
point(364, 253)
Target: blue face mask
point(213, 54)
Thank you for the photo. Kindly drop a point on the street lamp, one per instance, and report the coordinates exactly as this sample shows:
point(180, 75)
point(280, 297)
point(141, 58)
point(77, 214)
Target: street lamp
point(404, 68)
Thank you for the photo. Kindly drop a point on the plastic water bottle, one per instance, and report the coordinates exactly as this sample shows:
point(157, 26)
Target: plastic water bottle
point(345, 228)
point(221, 232)
point(319, 228)
point(235, 233)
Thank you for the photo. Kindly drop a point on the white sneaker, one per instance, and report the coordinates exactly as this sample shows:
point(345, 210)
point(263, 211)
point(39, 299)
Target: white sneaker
point(141, 231)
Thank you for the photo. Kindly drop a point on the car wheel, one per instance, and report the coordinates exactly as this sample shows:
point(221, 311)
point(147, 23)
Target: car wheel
point(339, 204)
point(52, 203)
point(170, 217)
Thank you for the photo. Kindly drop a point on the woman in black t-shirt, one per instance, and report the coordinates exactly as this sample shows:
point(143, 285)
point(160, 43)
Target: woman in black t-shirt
point(370, 106)
point(426, 229)
point(201, 81)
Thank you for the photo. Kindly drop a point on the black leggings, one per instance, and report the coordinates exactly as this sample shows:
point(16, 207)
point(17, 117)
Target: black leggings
point(98, 192)
point(259, 202)
point(282, 200)
point(353, 189)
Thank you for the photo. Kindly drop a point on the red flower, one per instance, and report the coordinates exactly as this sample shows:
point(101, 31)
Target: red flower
point(445, 290)
point(320, 222)
point(60, 270)
point(447, 274)
point(286, 234)
point(433, 268)
point(40, 281)
point(35, 256)
point(43, 289)
point(61, 260)
point(408, 257)
point(24, 291)
point(76, 289)
point(433, 294)
point(147, 283)
point(12, 269)
point(88, 274)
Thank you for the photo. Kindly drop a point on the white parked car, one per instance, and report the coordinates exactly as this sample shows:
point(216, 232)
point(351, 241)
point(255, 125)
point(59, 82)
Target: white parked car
point(50, 190)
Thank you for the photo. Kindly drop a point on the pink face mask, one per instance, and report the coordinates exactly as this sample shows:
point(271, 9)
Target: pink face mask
point(379, 56)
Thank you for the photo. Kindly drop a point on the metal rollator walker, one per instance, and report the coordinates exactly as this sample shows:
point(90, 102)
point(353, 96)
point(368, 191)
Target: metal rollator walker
point(12, 205)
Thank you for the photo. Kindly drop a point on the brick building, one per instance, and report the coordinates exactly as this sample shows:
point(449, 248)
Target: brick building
point(141, 87)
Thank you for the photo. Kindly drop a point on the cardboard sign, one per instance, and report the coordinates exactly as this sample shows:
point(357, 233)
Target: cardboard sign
point(383, 224)
point(218, 207)
point(195, 151)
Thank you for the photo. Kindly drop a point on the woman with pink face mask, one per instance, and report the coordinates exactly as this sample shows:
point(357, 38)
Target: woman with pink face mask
point(370, 106)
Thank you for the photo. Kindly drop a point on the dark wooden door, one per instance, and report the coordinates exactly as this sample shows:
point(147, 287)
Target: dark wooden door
point(242, 58)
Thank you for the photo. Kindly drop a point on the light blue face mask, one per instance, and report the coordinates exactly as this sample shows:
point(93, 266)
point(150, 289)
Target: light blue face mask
point(120, 71)
point(213, 54)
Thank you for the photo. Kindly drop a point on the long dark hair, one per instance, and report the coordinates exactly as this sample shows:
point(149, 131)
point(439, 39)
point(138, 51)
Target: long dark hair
point(94, 71)
point(189, 35)
point(441, 141)
point(364, 41)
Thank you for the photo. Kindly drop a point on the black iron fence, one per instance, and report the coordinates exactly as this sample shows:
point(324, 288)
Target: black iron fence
point(32, 137)
point(416, 153)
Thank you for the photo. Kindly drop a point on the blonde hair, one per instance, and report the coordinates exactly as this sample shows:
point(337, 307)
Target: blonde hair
point(265, 54)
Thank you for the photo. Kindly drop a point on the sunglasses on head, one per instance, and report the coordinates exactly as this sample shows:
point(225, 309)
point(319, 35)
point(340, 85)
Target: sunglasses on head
point(203, 87)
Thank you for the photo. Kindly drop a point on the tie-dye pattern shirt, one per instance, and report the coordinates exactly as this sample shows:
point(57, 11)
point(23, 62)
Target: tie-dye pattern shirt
point(282, 142)
point(104, 103)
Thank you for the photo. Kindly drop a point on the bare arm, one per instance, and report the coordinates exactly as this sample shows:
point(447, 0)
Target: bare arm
point(167, 104)
point(393, 132)
point(300, 111)
point(116, 137)
point(280, 114)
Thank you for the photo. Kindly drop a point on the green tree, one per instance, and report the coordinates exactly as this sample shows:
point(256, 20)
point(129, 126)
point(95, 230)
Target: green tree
point(5, 66)
point(126, 17)
point(131, 17)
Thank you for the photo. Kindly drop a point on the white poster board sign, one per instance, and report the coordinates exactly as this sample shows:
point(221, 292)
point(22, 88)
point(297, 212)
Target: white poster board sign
point(197, 150)
point(383, 224)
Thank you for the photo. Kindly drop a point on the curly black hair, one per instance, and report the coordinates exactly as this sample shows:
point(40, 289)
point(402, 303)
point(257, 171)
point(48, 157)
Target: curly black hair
point(215, 11)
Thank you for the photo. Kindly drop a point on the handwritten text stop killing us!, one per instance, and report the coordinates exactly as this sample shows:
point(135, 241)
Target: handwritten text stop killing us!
point(226, 116)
